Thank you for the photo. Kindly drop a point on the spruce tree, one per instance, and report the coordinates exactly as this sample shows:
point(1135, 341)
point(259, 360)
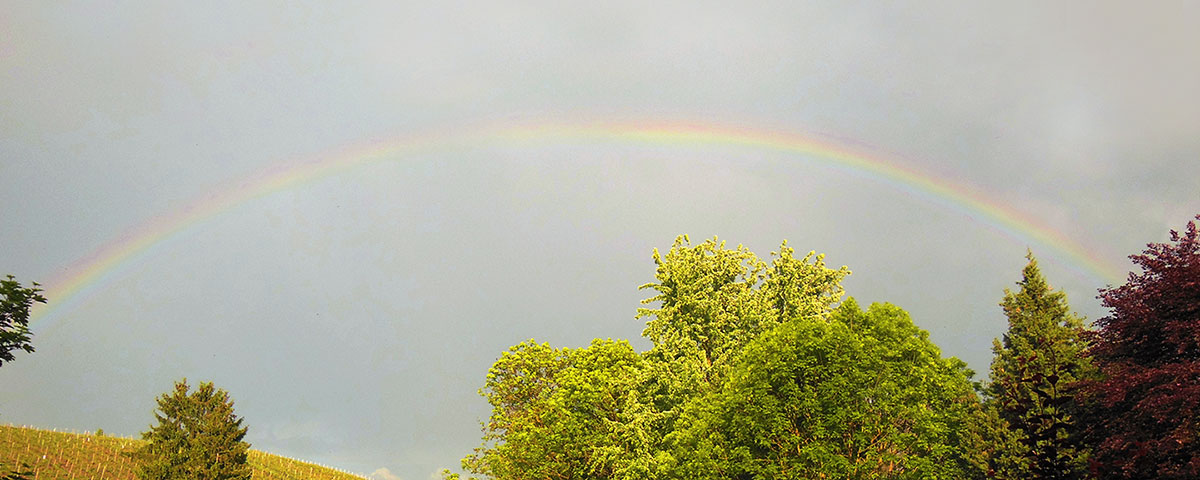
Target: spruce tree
point(198, 437)
point(1031, 389)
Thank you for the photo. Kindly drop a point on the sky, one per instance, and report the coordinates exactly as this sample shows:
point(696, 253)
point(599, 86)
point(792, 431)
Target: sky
point(342, 213)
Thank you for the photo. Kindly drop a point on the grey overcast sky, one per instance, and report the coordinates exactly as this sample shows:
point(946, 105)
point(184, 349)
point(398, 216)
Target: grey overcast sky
point(352, 316)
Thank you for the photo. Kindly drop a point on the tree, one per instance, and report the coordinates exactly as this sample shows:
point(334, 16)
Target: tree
point(707, 309)
point(15, 303)
point(860, 395)
point(1144, 414)
point(198, 437)
point(1032, 384)
point(564, 413)
point(605, 411)
point(712, 301)
point(755, 372)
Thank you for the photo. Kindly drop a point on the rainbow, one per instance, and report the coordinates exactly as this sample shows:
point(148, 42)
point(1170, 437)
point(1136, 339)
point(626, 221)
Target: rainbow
point(91, 271)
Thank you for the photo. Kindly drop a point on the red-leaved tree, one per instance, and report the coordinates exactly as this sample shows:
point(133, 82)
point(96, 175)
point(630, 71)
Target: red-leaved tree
point(1145, 411)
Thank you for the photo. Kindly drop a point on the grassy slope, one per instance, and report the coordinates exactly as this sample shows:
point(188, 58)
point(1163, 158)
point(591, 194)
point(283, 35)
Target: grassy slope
point(67, 456)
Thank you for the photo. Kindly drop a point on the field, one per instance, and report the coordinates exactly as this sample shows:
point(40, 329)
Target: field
point(85, 456)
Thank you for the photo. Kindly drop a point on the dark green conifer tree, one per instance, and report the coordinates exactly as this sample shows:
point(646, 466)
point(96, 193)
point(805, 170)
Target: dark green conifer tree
point(1031, 388)
point(198, 437)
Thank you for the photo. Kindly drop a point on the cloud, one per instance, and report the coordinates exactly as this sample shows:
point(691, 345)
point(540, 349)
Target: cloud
point(382, 474)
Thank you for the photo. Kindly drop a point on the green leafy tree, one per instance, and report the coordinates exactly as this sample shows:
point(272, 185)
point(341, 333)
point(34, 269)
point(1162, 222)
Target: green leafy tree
point(198, 437)
point(755, 372)
point(712, 301)
point(860, 395)
point(565, 414)
point(1032, 384)
point(707, 309)
point(15, 303)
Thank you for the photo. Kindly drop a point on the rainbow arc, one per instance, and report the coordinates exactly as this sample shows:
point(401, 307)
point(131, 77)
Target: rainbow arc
point(90, 271)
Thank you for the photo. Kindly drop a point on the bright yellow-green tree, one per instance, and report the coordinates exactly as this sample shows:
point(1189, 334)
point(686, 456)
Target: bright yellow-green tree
point(712, 301)
point(564, 413)
point(857, 395)
point(755, 372)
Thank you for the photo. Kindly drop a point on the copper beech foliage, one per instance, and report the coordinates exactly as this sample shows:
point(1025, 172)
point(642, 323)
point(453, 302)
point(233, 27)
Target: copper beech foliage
point(1144, 418)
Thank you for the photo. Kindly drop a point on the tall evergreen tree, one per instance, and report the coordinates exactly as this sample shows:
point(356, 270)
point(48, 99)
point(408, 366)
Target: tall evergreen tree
point(1034, 370)
point(198, 437)
point(1144, 419)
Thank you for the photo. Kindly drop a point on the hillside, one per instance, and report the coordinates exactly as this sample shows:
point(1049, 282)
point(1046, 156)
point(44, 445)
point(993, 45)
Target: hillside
point(80, 456)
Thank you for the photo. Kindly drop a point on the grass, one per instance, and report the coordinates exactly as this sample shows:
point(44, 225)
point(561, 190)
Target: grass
point(86, 456)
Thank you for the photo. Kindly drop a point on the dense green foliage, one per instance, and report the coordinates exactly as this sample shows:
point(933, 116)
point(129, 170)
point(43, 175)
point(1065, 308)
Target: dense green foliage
point(863, 395)
point(760, 371)
point(1032, 384)
point(65, 456)
point(1144, 413)
point(197, 437)
point(15, 303)
point(755, 372)
point(712, 301)
point(564, 413)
